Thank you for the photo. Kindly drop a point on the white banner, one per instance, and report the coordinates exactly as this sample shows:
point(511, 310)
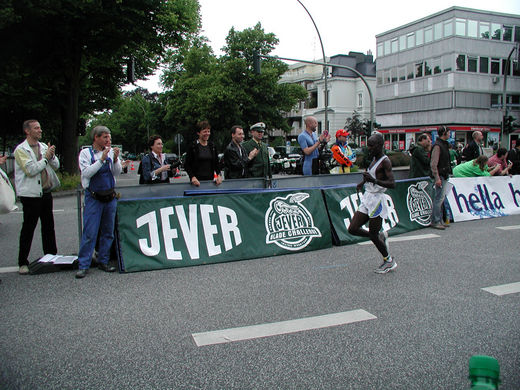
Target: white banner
point(484, 197)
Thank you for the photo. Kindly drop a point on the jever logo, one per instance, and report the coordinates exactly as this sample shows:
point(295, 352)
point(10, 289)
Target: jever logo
point(419, 203)
point(289, 224)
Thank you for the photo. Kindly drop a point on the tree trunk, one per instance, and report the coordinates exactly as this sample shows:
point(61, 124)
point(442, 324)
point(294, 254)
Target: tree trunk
point(69, 114)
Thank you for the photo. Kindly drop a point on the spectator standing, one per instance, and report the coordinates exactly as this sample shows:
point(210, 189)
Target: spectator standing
point(260, 166)
point(236, 159)
point(420, 160)
point(474, 147)
point(310, 145)
point(155, 169)
point(99, 165)
point(202, 157)
point(373, 207)
point(476, 167)
point(514, 156)
point(35, 178)
point(346, 154)
point(441, 170)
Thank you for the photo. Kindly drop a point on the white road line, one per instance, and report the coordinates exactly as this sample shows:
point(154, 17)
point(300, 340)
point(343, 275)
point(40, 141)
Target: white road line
point(513, 227)
point(277, 328)
point(54, 211)
point(504, 289)
point(406, 238)
point(4, 270)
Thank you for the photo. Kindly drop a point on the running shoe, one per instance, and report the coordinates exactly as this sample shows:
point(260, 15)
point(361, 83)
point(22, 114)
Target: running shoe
point(387, 266)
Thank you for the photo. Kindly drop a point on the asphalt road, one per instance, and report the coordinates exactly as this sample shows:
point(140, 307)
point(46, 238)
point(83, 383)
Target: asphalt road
point(135, 331)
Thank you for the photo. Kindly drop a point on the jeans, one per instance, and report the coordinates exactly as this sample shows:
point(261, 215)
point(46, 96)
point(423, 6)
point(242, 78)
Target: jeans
point(439, 194)
point(34, 209)
point(97, 216)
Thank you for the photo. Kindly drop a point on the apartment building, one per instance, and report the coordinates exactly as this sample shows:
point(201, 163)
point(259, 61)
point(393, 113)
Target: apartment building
point(448, 69)
point(347, 92)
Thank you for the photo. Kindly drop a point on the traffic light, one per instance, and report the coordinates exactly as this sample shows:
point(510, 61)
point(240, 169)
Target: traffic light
point(508, 123)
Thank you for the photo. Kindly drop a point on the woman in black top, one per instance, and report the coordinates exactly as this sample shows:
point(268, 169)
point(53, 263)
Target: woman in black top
point(202, 158)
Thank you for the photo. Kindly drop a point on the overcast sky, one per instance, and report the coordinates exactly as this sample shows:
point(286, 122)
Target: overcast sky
point(344, 25)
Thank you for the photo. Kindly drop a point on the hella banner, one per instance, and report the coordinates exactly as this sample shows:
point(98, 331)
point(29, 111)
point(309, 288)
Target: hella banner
point(484, 197)
point(179, 232)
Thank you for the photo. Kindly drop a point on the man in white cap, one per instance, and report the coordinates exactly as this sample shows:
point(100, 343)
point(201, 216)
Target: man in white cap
point(260, 163)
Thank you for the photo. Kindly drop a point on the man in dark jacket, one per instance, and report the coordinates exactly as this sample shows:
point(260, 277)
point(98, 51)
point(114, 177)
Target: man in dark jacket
point(260, 164)
point(420, 161)
point(474, 147)
point(514, 156)
point(441, 169)
point(236, 159)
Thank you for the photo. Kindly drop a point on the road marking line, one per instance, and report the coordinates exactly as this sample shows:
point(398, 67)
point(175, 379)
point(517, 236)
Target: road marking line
point(513, 227)
point(4, 270)
point(504, 289)
point(407, 238)
point(54, 211)
point(278, 328)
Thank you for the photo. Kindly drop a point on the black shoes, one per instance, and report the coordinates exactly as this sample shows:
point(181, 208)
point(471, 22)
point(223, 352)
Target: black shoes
point(81, 274)
point(106, 267)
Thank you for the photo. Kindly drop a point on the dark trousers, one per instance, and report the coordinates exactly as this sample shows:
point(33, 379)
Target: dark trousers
point(34, 209)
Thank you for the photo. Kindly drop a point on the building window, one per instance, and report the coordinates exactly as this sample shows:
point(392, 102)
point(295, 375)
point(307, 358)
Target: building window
point(447, 63)
point(386, 77)
point(419, 69)
point(496, 100)
point(472, 28)
point(484, 30)
point(484, 65)
point(496, 31)
point(460, 27)
point(394, 45)
point(437, 28)
point(410, 40)
point(428, 34)
point(419, 36)
point(402, 73)
point(427, 68)
point(436, 64)
point(360, 99)
point(461, 62)
point(394, 75)
point(379, 77)
point(448, 28)
point(508, 33)
point(472, 64)
point(380, 52)
point(402, 42)
point(495, 66)
point(517, 33)
point(387, 48)
point(409, 71)
point(516, 68)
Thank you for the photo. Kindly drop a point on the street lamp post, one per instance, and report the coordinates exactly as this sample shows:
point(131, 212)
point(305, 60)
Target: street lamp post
point(325, 67)
point(504, 97)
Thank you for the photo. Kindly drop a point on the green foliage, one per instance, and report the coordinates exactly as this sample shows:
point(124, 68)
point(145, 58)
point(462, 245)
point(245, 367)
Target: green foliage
point(399, 159)
point(355, 125)
point(68, 181)
point(64, 59)
point(226, 91)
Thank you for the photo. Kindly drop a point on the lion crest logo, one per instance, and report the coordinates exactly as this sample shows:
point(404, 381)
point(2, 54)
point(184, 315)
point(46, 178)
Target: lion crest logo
point(289, 224)
point(419, 203)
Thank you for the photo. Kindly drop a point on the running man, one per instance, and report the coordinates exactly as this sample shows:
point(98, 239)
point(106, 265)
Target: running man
point(373, 207)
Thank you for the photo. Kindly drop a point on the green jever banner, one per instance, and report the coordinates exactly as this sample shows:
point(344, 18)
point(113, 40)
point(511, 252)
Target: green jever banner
point(179, 232)
point(409, 206)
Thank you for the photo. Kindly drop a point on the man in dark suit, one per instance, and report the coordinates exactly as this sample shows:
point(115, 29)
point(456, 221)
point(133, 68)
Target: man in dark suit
point(474, 147)
point(236, 159)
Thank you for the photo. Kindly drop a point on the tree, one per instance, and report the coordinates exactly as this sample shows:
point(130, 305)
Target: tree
point(63, 59)
point(226, 91)
point(355, 125)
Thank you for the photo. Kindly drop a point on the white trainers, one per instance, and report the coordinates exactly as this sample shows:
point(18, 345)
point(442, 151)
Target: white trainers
point(24, 270)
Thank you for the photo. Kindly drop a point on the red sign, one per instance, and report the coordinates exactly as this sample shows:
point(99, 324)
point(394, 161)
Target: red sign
point(387, 145)
point(401, 145)
point(433, 128)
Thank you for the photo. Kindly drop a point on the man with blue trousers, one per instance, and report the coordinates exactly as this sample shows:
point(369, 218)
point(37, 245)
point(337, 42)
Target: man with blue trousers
point(99, 165)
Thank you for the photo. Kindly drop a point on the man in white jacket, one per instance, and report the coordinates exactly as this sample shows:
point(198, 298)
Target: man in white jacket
point(35, 178)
